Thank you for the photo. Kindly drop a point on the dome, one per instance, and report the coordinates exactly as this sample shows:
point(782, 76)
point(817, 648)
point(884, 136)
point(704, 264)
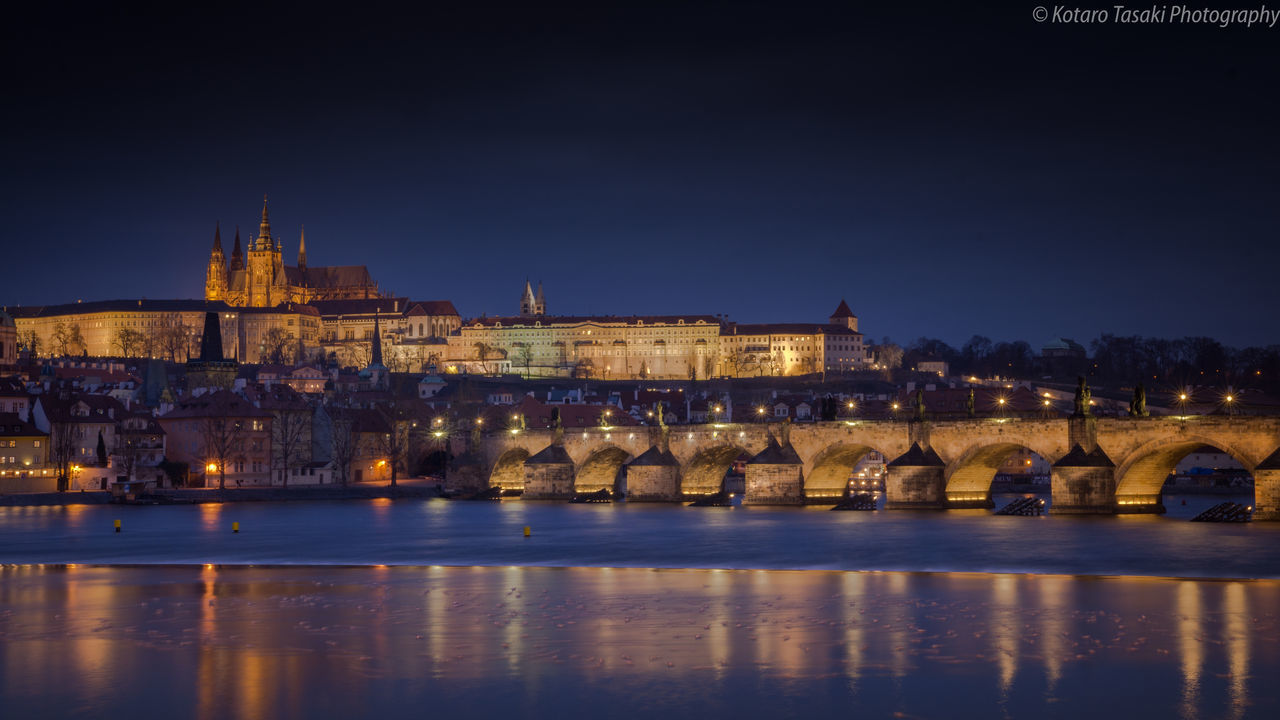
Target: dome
point(6, 320)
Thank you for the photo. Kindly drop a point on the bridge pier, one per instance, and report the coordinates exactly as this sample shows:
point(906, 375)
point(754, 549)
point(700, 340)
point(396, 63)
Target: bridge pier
point(654, 476)
point(466, 474)
point(549, 475)
point(1084, 483)
point(1266, 488)
point(775, 476)
point(915, 481)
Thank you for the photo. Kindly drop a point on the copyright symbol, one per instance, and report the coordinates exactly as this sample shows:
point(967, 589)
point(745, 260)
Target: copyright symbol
point(1040, 14)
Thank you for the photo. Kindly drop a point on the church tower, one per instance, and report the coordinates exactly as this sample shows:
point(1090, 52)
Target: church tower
point(302, 249)
point(844, 316)
point(237, 255)
point(531, 305)
point(215, 280)
point(527, 301)
point(263, 266)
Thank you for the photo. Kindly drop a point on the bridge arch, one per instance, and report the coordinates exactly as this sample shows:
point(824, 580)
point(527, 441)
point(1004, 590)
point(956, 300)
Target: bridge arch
point(968, 478)
point(601, 470)
point(1142, 475)
point(705, 471)
point(829, 473)
point(508, 470)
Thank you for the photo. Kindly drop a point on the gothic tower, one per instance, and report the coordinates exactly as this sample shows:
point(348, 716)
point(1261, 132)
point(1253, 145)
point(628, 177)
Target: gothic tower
point(237, 255)
point(302, 249)
point(540, 305)
point(528, 304)
point(844, 316)
point(215, 280)
point(264, 266)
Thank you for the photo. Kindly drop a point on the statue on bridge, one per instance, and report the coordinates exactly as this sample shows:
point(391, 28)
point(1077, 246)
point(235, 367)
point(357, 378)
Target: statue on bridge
point(968, 403)
point(920, 404)
point(1084, 398)
point(1138, 406)
point(662, 420)
point(557, 427)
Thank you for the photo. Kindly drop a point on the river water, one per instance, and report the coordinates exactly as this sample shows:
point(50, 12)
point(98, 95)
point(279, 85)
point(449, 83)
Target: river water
point(439, 532)
point(412, 608)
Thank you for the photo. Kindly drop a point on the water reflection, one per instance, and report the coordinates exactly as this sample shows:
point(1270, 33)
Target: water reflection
point(1191, 645)
point(215, 642)
point(1236, 606)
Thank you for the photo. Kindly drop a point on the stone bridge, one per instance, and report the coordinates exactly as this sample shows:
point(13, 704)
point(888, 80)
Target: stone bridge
point(1099, 465)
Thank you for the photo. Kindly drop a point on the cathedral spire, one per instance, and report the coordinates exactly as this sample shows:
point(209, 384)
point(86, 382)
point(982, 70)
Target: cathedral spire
point(237, 255)
point(377, 341)
point(527, 303)
point(264, 229)
point(217, 237)
point(302, 248)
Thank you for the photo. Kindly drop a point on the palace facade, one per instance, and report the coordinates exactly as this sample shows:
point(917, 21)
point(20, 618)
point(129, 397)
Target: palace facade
point(258, 277)
point(535, 344)
point(163, 328)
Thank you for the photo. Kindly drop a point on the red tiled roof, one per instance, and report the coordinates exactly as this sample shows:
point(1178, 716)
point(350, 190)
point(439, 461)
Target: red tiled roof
point(222, 403)
point(843, 311)
point(13, 426)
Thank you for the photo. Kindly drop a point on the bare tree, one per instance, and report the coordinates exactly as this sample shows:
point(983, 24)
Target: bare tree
point(355, 354)
point(222, 437)
point(346, 444)
point(61, 338)
point(396, 358)
point(128, 450)
point(393, 446)
point(279, 347)
point(170, 337)
point(29, 342)
point(290, 438)
point(129, 342)
point(483, 352)
point(524, 356)
point(62, 450)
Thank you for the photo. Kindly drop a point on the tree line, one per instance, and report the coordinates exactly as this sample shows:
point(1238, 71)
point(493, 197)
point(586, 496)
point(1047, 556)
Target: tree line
point(1122, 359)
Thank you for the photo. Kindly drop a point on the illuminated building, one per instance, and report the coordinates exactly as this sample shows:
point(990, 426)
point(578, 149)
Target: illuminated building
point(258, 277)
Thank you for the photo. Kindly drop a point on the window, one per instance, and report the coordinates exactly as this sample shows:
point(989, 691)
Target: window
point(37, 443)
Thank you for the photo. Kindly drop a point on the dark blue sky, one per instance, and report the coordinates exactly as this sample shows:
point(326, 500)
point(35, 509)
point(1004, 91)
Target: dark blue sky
point(949, 170)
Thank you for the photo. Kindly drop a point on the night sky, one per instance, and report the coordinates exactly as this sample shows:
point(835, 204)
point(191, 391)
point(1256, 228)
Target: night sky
point(949, 170)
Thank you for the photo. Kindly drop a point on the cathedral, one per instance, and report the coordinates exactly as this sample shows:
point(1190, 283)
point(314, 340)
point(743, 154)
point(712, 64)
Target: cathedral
point(259, 277)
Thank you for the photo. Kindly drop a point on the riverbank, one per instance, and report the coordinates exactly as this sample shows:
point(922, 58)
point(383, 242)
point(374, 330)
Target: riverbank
point(195, 496)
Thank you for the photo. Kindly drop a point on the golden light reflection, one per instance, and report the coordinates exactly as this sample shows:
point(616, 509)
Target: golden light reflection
point(1054, 600)
point(854, 597)
point(1190, 645)
point(256, 640)
point(1238, 636)
point(1006, 629)
point(210, 516)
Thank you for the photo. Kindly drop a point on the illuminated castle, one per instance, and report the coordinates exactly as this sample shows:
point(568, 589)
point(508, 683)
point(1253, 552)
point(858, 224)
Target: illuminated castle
point(259, 277)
